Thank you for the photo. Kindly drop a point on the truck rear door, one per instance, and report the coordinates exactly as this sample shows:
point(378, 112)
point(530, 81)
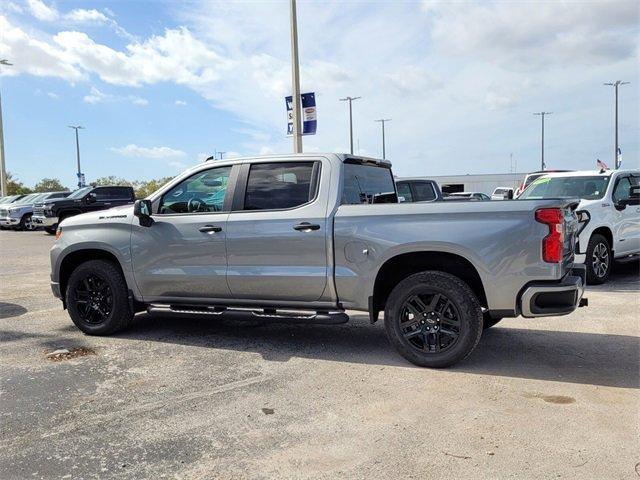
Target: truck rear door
point(277, 231)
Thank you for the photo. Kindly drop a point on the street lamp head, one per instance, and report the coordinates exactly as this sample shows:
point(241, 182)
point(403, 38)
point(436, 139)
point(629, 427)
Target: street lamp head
point(4, 61)
point(76, 127)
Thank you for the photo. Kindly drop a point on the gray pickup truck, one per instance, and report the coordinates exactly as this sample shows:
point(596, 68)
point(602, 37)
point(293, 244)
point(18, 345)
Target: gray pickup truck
point(303, 238)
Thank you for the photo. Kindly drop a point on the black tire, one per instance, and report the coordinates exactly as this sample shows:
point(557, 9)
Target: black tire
point(489, 322)
point(97, 298)
point(599, 260)
point(26, 223)
point(415, 345)
point(51, 230)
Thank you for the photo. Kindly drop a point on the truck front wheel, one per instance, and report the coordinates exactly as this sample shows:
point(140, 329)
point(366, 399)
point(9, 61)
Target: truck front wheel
point(97, 298)
point(598, 259)
point(433, 319)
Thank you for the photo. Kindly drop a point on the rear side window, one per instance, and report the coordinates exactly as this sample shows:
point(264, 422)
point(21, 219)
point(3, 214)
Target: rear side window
point(404, 190)
point(364, 183)
point(424, 191)
point(118, 193)
point(273, 186)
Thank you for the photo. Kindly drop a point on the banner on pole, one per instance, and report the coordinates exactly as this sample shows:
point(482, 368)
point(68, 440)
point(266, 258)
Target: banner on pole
point(309, 117)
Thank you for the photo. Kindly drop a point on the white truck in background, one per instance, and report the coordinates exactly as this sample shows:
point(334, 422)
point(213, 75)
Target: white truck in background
point(609, 213)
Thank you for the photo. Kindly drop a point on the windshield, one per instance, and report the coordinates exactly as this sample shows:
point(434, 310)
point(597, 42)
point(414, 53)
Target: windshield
point(81, 192)
point(7, 199)
point(29, 198)
point(368, 184)
point(588, 188)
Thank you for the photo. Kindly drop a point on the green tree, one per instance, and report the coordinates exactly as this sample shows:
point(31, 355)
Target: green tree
point(110, 180)
point(144, 189)
point(15, 186)
point(49, 185)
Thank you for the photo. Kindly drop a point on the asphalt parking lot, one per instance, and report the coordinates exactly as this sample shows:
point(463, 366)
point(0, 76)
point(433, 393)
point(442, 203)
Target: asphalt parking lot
point(175, 398)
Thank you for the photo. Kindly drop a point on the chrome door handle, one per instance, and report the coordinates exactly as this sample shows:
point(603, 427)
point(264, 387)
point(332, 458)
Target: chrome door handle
point(306, 227)
point(210, 229)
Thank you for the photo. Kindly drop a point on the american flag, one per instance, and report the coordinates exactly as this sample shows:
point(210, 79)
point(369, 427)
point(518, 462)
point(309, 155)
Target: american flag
point(600, 164)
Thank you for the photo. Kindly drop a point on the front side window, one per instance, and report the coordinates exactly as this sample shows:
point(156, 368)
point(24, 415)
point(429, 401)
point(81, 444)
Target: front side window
point(274, 186)
point(424, 191)
point(621, 192)
point(588, 188)
point(367, 183)
point(201, 192)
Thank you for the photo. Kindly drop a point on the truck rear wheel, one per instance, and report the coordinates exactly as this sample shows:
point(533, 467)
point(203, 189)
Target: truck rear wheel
point(599, 260)
point(97, 298)
point(433, 319)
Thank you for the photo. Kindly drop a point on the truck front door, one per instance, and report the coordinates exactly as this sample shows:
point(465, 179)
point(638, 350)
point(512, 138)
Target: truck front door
point(277, 232)
point(182, 254)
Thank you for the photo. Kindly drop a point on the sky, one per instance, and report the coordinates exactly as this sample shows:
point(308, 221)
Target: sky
point(159, 86)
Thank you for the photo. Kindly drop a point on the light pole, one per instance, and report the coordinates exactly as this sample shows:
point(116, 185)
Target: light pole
point(542, 114)
point(221, 154)
point(3, 172)
point(382, 122)
point(616, 84)
point(76, 128)
point(295, 79)
point(350, 99)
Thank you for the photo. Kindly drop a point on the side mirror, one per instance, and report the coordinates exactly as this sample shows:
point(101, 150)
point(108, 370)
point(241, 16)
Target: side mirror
point(142, 210)
point(401, 199)
point(91, 198)
point(508, 195)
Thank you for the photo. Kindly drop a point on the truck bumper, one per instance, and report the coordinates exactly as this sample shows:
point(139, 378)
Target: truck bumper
point(9, 221)
point(543, 299)
point(43, 221)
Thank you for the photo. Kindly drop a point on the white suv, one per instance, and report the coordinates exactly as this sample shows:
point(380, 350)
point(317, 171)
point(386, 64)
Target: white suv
point(609, 210)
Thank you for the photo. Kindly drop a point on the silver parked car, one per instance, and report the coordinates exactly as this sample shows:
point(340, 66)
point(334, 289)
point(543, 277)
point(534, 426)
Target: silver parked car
point(18, 214)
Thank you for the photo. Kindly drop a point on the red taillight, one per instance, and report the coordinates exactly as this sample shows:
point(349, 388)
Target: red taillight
point(552, 244)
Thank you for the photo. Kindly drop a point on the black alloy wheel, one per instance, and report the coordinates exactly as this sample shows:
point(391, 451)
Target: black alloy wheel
point(97, 298)
point(433, 319)
point(430, 322)
point(94, 299)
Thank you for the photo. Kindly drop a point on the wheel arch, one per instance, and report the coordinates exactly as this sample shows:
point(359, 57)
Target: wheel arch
point(606, 233)
point(73, 259)
point(400, 266)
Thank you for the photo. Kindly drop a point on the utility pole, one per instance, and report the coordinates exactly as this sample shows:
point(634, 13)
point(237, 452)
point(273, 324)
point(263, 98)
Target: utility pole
point(3, 171)
point(295, 79)
point(616, 84)
point(221, 154)
point(542, 114)
point(382, 121)
point(350, 99)
point(76, 128)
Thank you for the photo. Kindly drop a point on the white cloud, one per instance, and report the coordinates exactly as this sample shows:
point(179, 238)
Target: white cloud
point(133, 150)
point(81, 15)
point(53, 95)
point(180, 103)
point(141, 102)
point(537, 33)
point(42, 11)
point(96, 96)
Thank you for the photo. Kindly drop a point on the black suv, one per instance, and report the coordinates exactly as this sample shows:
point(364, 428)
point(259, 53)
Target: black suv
point(86, 199)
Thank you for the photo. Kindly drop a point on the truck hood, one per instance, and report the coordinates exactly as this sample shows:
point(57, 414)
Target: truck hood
point(120, 214)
